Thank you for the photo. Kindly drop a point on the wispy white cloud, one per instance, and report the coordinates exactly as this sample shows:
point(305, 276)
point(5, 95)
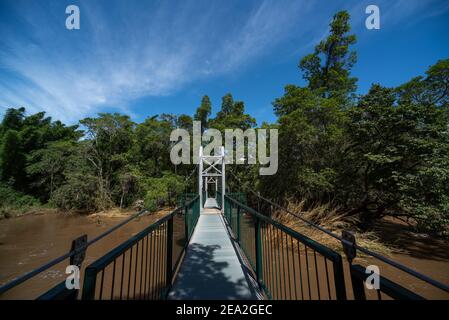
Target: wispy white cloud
point(125, 51)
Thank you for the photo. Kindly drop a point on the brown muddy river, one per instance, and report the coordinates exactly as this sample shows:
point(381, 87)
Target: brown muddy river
point(30, 241)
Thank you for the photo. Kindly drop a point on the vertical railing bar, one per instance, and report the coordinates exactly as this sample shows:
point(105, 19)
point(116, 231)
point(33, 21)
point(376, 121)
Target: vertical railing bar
point(283, 264)
point(279, 271)
point(327, 279)
point(123, 271)
point(307, 269)
point(238, 224)
point(148, 281)
point(274, 264)
point(157, 261)
point(317, 277)
point(186, 224)
point(269, 261)
point(278, 263)
point(164, 260)
point(164, 257)
point(169, 272)
point(288, 268)
point(101, 284)
point(264, 254)
point(161, 262)
point(379, 296)
point(129, 274)
point(153, 264)
point(300, 269)
point(258, 249)
point(141, 269)
point(230, 214)
point(294, 269)
point(113, 279)
point(146, 269)
point(135, 270)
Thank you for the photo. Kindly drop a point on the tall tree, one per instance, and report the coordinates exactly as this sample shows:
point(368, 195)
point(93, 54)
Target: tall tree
point(109, 138)
point(12, 160)
point(13, 119)
point(232, 115)
point(203, 112)
point(328, 68)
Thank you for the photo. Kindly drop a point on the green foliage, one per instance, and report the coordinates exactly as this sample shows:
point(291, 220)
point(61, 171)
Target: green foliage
point(203, 112)
point(328, 68)
point(163, 191)
point(385, 154)
point(46, 166)
point(12, 159)
point(232, 115)
point(110, 138)
point(12, 198)
point(399, 159)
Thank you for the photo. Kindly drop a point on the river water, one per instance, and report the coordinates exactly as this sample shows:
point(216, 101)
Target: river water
point(29, 241)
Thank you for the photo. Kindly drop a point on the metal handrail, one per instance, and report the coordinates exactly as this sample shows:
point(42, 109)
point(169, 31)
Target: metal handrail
point(15, 282)
point(382, 258)
point(166, 225)
point(263, 240)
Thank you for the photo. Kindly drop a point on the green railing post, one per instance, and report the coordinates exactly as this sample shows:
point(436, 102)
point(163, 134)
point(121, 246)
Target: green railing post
point(169, 272)
point(90, 281)
point(258, 243)
point(340, 288)
point(186, 223)
point(238, 224)
point(230, 215)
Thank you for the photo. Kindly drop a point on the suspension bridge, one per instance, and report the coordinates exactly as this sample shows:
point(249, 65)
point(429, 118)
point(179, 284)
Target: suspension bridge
point(222, 245)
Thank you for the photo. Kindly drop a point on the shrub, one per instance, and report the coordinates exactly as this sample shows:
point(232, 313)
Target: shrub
point(12, 198)
point(162, 191)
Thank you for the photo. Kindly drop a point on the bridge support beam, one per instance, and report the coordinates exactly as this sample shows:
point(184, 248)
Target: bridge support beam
point(211, 169)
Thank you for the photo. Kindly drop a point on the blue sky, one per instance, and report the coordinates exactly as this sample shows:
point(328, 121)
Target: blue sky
point(148, 57)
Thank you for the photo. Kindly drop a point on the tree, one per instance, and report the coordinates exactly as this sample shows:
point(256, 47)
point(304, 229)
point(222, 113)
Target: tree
point(109, 139)
point(47, 166)
point(153, 148)
point(399, 153)
point(203, 112)
point(311, 133)
point(184, 121)
point(232, 115)
point(328, 68)
point(227, 105)
point(433, 89)
point(13, 119)
point(12, 159)
point(80, 187)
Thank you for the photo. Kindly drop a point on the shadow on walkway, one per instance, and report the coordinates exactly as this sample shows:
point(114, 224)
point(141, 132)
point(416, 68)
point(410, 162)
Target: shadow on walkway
point(202, 276)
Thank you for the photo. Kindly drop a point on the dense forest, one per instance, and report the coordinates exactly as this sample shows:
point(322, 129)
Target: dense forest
point(382, 153)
